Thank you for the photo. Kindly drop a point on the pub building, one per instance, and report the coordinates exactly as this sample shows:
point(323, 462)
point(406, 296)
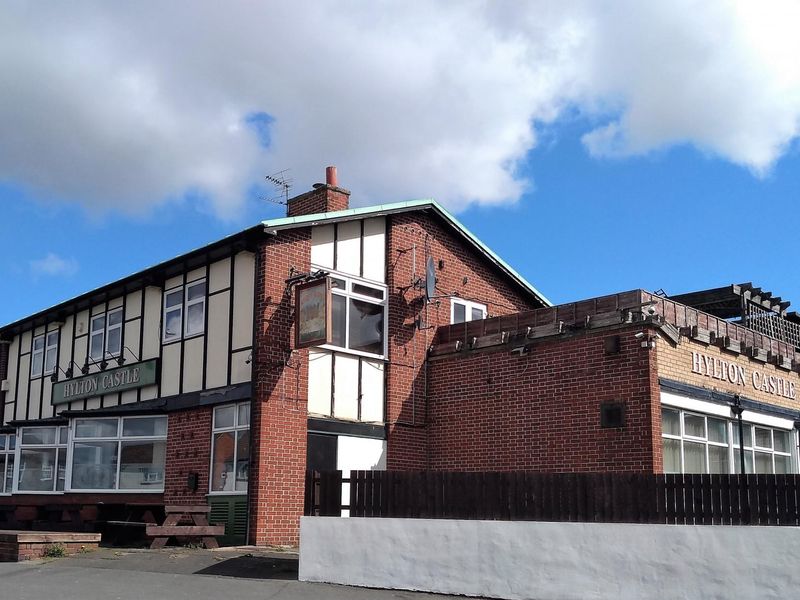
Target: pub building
point(386, 337)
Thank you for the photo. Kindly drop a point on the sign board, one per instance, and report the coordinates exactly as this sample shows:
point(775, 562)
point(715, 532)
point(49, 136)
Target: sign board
point(312, 313)
point(129, 377)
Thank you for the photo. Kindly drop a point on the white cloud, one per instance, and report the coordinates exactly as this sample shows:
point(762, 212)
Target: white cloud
point(123, 105)
point(53, 265)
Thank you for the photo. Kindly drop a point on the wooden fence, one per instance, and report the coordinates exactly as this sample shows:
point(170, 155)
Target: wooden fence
point(581, 497)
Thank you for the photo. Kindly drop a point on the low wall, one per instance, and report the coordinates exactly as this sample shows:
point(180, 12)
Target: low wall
point(26, 545)
point(525, 559)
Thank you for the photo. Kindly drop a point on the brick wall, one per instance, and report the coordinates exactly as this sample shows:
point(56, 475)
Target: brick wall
point(279, 409)
point(323, 198)
point(411, 238)
point(188, 451)
point(541, 411)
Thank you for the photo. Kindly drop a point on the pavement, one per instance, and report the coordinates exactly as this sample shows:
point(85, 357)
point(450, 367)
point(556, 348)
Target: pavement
point(177, 574)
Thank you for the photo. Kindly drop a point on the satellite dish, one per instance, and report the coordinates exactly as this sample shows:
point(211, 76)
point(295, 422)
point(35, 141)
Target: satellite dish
point(430, 279)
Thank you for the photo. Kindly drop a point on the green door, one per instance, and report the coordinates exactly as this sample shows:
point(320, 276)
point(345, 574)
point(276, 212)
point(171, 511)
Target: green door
point(230, 511)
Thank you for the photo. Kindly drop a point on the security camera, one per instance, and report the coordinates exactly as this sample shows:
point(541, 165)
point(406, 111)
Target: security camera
point(650, 310)
point(639, 335)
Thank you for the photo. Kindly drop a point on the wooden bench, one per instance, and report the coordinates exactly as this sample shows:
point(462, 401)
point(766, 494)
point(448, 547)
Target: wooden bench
point(8, 516)
point(200, 529)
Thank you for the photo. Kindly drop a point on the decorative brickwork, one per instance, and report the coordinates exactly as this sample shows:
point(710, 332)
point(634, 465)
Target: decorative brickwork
point(188, 451)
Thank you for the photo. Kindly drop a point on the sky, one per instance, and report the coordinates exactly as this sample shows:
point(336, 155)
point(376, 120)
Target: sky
point(596, 146)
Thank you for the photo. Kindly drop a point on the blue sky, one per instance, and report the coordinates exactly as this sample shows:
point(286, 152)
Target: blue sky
point(597, 147)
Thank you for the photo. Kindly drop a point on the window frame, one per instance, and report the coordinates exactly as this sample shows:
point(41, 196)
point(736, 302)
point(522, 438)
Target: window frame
point(103, 331)
point(120, 438)
point(34, 353)
point(347, 292)
point(8, 450)
point(235, 428)
point(468, 305)
point(184, 306)
point(59, 447)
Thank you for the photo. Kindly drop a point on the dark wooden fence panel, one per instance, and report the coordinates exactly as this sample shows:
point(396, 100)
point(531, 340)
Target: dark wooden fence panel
point(578, 497)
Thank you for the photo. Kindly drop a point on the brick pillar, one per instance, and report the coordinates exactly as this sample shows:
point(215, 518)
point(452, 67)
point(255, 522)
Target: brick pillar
point(188, 451)
point(280, 396)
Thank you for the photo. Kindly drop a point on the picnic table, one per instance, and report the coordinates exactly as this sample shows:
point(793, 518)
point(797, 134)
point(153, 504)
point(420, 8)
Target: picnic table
point(199, 529)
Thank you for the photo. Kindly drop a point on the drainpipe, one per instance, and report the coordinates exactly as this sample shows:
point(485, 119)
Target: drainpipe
point(737, 410)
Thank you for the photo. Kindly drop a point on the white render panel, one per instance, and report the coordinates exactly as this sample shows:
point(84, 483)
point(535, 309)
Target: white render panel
point(196, 274)
point(149, 392)
point(115, 303)
point(99, 308)
point(240, 370)
point(133, 305)
point(47, 397)
point(8, 413)
point(319, 382)
point(39, 330)
point(92, 402)
point(152, 323)
point(348, 248)
point(193, 364)
point(345, 392)
point(132, 335)
point(82, 323)
point(371, 391)
point(173, 282)
point(26, 340)
point(322, 246)
point(170, 368)
point(219, 275)
point(65, 345)
point(128, 397)
point(375, 249)
point(360, 454)
point(24, 377)
point(52, 326)
point(243, 282)
point(217, 350)
point(31, 411)
point(13, 351)
point(81, 346)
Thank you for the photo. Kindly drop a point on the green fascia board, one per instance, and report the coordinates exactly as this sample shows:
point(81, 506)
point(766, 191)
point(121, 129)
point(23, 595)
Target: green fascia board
point(275, 225)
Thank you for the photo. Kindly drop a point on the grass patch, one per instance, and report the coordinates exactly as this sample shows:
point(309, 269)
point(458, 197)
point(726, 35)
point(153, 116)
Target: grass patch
point(56, 550)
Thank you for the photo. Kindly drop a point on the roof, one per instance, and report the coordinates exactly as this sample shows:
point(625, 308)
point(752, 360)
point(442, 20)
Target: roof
point(275, 225)
point(726, 302)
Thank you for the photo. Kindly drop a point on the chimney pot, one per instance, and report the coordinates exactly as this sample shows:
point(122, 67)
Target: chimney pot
point(331, 177)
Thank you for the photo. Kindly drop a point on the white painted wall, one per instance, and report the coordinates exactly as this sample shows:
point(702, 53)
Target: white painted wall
point(521, 560)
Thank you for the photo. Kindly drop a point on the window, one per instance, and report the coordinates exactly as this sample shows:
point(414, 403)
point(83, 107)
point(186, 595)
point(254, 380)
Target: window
point(44, 354)
point(697, 443)
point(359, 315)
point(8, 442)
point(105, 335)
point(230, 452)
point(464, 310)
point(189, 300)
point(37, 356)
point(119, 454)
point(42, 459)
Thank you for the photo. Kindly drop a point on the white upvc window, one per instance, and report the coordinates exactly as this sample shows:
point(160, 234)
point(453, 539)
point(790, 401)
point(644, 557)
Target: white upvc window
point(37, 356)
point(230, 449)
point(465, 310)
point(42, 460)
point(105, 335)
point(111, 453)
point(358, 313)
point(8, 444)
point(697, 443)
point(184, 312)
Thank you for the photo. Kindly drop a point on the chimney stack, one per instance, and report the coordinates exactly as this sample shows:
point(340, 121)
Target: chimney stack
point(325, 197)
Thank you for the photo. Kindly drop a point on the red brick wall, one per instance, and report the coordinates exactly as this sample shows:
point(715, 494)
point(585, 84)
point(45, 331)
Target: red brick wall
point(465, 273)
point(324, 198)
point(188, 451)
point(541, 412)
point(280, 383)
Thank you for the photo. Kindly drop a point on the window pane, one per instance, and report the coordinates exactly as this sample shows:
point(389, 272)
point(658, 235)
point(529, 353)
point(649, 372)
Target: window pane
point(366, 290)
point(61, 471)
point(94, 465)
point(244, 415)
point(2, 442)
point(672, 455)
point(782, 440)
point(96, 346)
point(38, 343)
point(145, 427)
point(222, 462)
point(174, 299)
point(10, 473)
point(94, 428)
point(339, 320)
point(98, 322)
point(694, 425)
point(717, 430)
point(763, 462)
point(694, 457)
point(52, 338)
point(142, 465)
point(173, 320)
point(114, 318)
point(718, 459)
point(36, 364)
point(748, 435)
point(748, 461)
point(224, 416)
point(763, 438)
point(670, 421)
point(39, 435)
point(336, 283)
point(477, 314)
point(195, 318)
point(114, 342)
point(37, 470)
point(12, 441)
point(62, 436)
point(459, 313)
point(50, 360)
point(366, 327)
point(196, 290)
point(242, 460)
point(783, 464)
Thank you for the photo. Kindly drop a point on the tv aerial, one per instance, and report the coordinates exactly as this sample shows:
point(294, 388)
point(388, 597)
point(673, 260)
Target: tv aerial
point(283, 184)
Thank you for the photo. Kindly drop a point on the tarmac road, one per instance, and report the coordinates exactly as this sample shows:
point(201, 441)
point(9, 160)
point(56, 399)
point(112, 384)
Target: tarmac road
point(175, 574)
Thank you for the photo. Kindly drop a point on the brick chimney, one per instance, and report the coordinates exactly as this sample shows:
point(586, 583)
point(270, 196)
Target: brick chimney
point(325, 197)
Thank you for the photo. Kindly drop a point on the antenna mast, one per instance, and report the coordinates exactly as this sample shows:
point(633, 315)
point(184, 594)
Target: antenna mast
point(283, 183)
